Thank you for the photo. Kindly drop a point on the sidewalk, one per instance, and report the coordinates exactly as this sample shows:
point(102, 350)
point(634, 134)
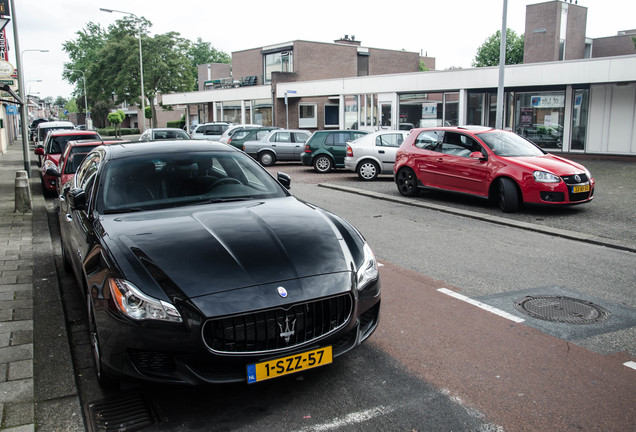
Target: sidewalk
point(37, 383)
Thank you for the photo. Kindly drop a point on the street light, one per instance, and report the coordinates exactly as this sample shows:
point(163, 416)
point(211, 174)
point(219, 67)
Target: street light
point(24, 110)
point(85, 97)
point(141, 67)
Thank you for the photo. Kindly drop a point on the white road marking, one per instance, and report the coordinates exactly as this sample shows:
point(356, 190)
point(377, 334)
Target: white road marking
point(350, 419)
point(630, 364)
point(481, 305)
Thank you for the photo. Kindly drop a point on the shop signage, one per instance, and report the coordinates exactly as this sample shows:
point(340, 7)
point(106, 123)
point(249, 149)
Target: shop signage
point(527, 117)
point(548, 101)
point(6, 69)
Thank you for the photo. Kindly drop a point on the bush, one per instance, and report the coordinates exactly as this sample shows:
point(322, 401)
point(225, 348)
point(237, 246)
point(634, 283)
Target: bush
point(176, 124)
point(110, 131)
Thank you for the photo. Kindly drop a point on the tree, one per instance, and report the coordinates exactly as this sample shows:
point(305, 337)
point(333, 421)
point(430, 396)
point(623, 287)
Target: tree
point(488, 52)
point(423, 67)
point(115, 118)
point(201, 52)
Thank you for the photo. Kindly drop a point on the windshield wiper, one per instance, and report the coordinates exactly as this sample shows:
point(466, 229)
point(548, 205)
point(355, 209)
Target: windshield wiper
point(125, 210)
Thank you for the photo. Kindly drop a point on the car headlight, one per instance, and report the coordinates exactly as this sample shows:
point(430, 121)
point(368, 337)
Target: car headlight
point(545, 177)
point(138, 306)
point(368, 271)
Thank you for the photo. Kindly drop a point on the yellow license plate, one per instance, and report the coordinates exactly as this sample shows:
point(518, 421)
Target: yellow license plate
point(287, 365)
point(578, 189)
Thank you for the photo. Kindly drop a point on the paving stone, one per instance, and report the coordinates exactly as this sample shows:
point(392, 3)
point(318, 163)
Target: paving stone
point(18, 414)
point(20, 370)
point(16, 391)
point(22, 337)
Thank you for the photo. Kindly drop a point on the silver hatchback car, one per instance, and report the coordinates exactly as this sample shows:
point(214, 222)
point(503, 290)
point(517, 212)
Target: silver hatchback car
point(374, 154)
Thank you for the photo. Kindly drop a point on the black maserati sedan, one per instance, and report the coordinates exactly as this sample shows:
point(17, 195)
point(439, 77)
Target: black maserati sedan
point(198, 266)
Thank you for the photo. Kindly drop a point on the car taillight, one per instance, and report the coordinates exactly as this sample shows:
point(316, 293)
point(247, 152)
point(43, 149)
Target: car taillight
point(307, 149)
point(349, 151)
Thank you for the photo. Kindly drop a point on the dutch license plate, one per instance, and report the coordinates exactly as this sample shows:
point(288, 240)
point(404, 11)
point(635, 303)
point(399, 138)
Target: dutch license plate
point(287, 365)
point(583, 188)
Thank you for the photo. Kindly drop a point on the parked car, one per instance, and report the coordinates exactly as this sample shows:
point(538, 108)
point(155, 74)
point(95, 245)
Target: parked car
point(277, 145)
point(325, 150)
point(489, 163)
point(72, 157)
point(199, 267)
point(241, 135)
point(33, 127)
point(156, 134)
point(225, 138)
point(44, 128)
point(374, 154)
point(210, 131)
point(51, 151)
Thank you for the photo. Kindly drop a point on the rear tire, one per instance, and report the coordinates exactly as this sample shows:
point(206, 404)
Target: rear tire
point(368, 170)
point(323, 164)
point(508, 196)
point(406, 182)
point(267, 158)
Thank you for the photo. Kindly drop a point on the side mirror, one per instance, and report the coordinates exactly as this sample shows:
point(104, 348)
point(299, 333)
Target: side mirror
point(77, 199)
point(478, 155)
point(284, 179)
point(39, 151)
point(53, 172)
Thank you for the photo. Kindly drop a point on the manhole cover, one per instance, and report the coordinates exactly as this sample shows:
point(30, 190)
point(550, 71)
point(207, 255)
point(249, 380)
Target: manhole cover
point(561, 309)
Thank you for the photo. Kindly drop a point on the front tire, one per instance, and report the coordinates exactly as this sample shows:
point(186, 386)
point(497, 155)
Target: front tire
point(508, 196)
point(368, 170)
point(323, 164)
point(104, 379)
point(406, 182)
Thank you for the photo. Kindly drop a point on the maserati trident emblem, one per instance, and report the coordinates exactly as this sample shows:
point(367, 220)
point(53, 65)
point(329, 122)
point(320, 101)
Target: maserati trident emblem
point(282, 291)
point(577, 178)
point(289, 331)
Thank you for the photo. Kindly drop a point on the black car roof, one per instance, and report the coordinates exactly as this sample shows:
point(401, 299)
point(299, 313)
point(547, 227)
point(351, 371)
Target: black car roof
point(136, 148)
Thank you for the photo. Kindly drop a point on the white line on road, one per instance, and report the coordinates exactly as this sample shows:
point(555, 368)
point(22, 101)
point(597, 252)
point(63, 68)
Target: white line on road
point(350, 419)
point(630, 364)
point(481, 305)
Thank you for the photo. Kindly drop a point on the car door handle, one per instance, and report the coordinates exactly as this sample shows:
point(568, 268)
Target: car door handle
point(381, 151)
point(68, 218)
point(440, 159)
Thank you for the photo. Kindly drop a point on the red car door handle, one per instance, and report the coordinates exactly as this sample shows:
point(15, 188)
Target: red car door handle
point(440, 159)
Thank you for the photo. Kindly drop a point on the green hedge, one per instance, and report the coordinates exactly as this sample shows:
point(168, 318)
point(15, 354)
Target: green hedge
point(176, 124)
point(110, 131)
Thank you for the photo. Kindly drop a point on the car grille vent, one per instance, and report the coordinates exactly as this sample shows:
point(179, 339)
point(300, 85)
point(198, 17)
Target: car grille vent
point(571, 180)
point(279, 328)
point(150, 362)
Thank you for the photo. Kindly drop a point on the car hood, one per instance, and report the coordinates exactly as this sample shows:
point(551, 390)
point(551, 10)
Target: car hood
point(203, 250)
point(554, 164)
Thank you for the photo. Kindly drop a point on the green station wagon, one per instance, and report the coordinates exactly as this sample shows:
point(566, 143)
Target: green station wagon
point(326, 150)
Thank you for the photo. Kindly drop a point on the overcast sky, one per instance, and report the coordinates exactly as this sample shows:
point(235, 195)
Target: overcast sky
point(451, 31)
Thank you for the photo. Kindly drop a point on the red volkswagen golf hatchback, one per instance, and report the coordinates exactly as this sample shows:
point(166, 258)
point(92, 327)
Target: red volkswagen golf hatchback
point(489, 163)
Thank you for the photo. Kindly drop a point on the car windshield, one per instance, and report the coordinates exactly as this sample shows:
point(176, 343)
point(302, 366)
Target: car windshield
point(509, 144)
point(58, 143)
point(174, 179)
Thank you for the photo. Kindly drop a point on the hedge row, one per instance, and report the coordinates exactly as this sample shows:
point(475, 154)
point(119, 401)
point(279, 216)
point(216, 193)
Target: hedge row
point(110, 131)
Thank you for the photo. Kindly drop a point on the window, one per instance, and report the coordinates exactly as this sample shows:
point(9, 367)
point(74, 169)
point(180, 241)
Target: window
point(281, 61)
point(429, 140)
point(331, 116)
point(283, 137)
point(307, 117)
point(300, 137)
point(389, 140)
point(459, 145)
point(337, 139)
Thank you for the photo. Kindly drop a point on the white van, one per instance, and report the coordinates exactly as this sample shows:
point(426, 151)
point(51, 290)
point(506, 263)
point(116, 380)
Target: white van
point(43, 130)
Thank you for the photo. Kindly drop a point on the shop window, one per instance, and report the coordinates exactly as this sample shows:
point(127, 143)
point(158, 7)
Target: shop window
point(307, 115)
point(539, 117)
point(579, 118)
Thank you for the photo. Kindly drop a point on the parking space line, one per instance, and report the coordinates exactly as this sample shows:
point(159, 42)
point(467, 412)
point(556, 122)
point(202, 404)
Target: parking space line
point(481, 305)
point(630, 364)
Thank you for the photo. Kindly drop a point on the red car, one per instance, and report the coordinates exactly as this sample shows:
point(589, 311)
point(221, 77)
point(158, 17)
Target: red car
point(71, 159)
point(489, 163)
point(50, 153)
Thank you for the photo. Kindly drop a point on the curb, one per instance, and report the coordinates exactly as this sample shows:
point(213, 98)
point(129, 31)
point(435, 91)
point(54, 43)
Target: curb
point(557, 232)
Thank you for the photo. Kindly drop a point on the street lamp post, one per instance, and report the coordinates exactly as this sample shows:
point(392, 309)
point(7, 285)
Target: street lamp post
point(85, 96)
point(23, 95)
point(141, 68)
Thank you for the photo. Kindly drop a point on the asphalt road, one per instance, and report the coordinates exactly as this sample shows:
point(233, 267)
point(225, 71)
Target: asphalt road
point(436, 363)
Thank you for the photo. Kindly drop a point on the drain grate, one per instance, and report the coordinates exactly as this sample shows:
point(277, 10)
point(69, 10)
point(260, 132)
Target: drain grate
point(562, 309)
point(124, 413)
